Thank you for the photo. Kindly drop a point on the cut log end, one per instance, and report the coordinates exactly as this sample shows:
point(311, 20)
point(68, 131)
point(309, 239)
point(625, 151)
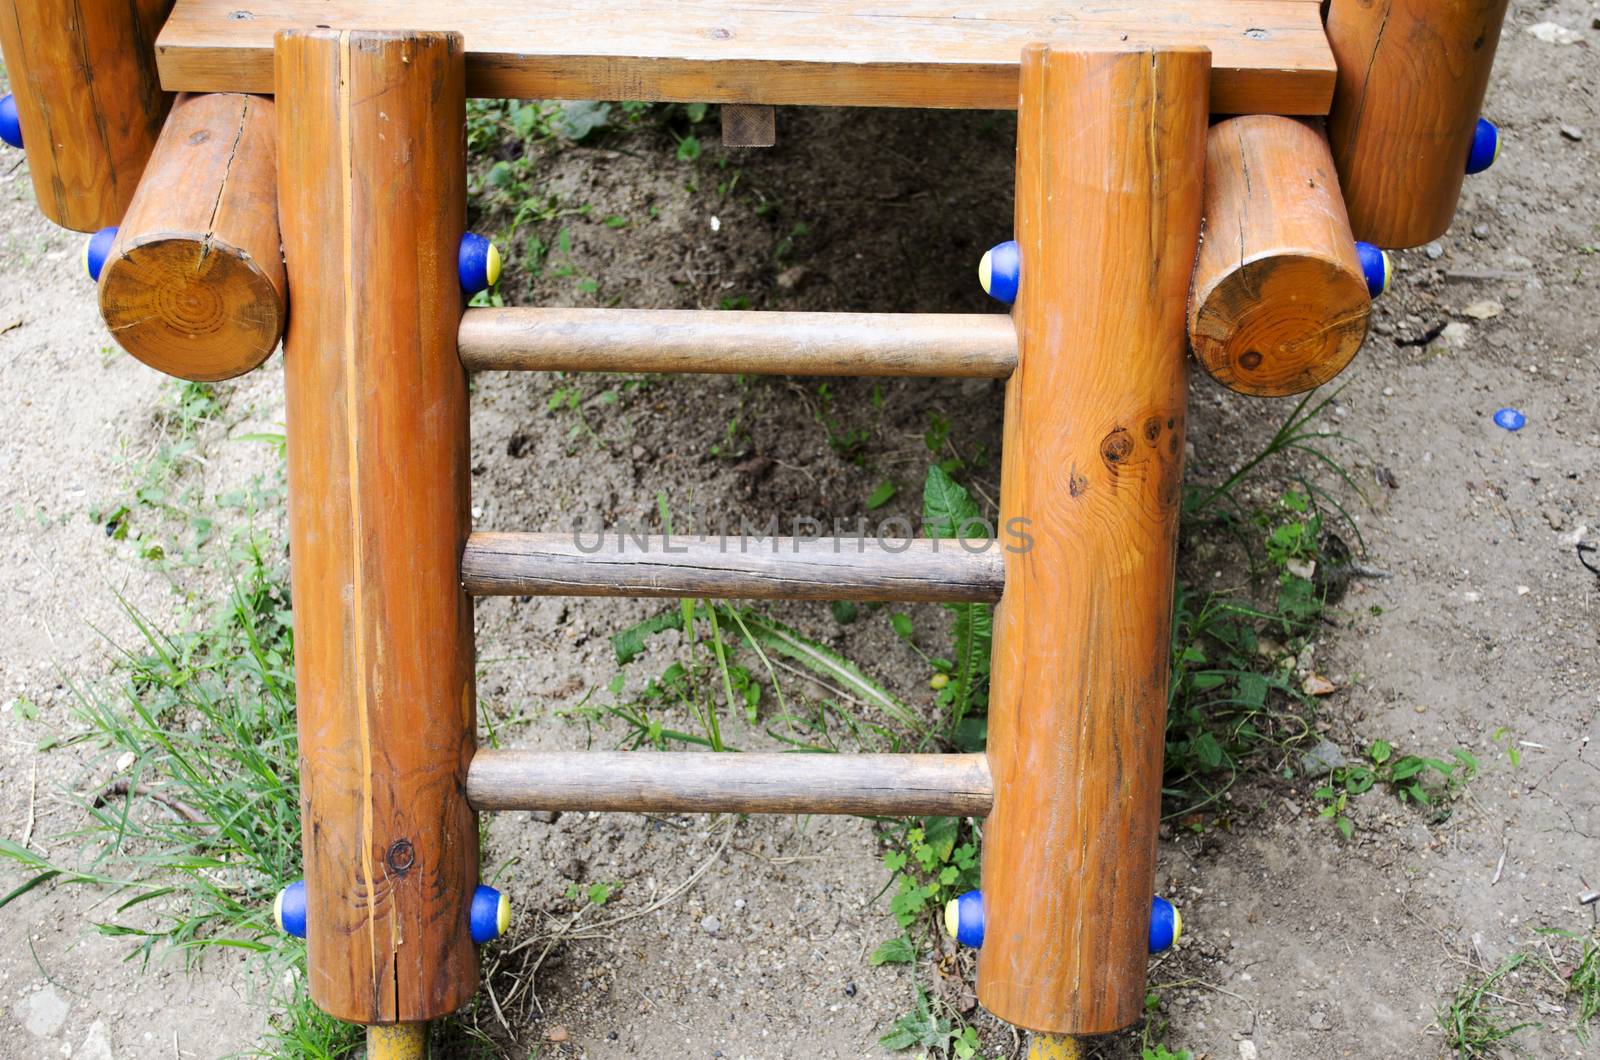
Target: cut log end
point(1281, 325)
point(191, 307)
point(1280, 299)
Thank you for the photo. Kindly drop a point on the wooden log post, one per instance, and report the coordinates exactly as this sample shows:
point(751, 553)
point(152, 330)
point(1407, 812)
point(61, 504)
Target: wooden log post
point(1110, 174)
point(1280, 301)
point(88, 99)
point(1412, 76)
point(372, 159)
point(194, 285)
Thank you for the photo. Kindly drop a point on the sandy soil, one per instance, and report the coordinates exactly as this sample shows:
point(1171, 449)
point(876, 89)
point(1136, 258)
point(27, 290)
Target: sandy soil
point(1299, 944)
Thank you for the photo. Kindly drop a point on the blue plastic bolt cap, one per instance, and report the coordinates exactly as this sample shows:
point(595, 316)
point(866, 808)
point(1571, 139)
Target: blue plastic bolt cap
point(1485, 146)
point(96, 249)
point(10, 124)
point(1166, 925)
point(478, 263)
point(1000, 272)
point(1511, 419)
point(963, 919)
point(289, 909)
point(1375, 265)
point(491, 914)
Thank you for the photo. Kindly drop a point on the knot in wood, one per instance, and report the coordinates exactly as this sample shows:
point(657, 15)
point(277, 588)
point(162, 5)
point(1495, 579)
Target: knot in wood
point(1117, 446)
point(401, 856)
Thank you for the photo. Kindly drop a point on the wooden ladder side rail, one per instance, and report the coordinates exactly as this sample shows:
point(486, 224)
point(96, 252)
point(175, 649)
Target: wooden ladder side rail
point(954, 345)
point(883, 785)
point(1108, 219)
point(372, 178)
point(1270, 56)
point(585, 563)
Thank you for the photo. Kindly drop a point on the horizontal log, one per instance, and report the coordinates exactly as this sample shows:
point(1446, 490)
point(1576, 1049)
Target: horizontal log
point(702, 782)
point(966, 345)
point(748, 568)
point(195, 285)
point(1280, 302)
point(1268, 56)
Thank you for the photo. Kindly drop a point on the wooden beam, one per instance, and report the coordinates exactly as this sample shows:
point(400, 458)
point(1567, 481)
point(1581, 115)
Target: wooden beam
point(1108, 217)
point(749, 125)
point(971, 345)
point(1270, 56)
point(88, 100)
point(1280, 302)
point(372, 173)
point(742, 568)
point(1412, 76)
point(194, 285)
point(888, 785)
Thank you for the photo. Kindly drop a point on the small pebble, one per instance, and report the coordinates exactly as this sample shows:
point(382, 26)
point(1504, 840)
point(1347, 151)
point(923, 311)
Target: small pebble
point(710, 925)
point(1455, 335)
point(1572, 132)
point(1480, 231)
point(1523, 590)
point(850, 990)
point(1471, 597)
point(1434, 250)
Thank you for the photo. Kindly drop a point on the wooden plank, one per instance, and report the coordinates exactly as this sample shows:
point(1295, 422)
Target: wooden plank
point(972, 345)
point(372, 178)
point(743, 568)
point(1107, 222)
point(194, 286)
point(1269, 55)
point(1280, 304)
point(887, 785)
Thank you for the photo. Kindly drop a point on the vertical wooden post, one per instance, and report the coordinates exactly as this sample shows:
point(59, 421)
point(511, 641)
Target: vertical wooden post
point(1412, 74)
point(88, 99)
point(1110, 169)
point(372, 185)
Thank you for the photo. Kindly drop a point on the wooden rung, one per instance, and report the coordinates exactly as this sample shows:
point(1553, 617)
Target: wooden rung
point(970, 345)
point(748, 568)
point(884, 785)
point(1269, 56)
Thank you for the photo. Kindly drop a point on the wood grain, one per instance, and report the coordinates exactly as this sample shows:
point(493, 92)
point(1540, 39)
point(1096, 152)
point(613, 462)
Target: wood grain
point(88, 99)
point(1270, 56)
point(1412, 76)
point(749, 125)
point(1110, 173)
point(971, 345)
point(889, 785)
point(1280, 304)
point(372, 176)
point(771, 568)
point(194, 286)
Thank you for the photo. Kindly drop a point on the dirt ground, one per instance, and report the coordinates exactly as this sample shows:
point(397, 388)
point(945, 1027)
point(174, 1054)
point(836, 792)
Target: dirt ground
point(1298, 944)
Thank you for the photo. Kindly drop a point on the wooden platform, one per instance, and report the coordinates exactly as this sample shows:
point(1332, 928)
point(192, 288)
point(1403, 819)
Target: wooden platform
point(1268, 56)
